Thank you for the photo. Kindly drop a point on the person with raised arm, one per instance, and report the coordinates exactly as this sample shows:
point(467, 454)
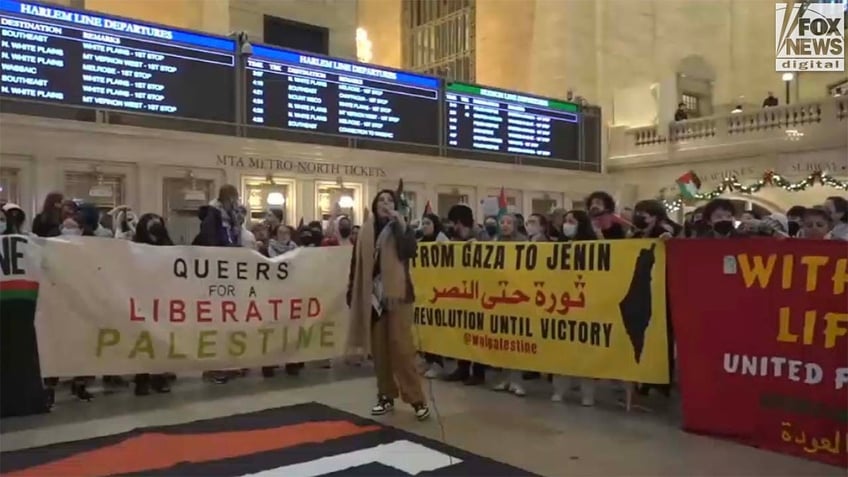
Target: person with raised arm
point(381, 297)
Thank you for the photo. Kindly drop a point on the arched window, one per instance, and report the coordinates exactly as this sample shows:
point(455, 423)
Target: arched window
point(438, 37)
point(741, 206)
point(695, 78)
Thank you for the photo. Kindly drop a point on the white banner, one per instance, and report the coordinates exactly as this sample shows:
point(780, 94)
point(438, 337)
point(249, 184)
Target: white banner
point(108, 306)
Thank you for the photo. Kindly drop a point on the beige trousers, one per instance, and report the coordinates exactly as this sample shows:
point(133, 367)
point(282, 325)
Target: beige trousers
point(394, 356)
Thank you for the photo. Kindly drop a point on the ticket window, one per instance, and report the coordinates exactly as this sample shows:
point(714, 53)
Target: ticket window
point(348, 199)
point(446, 201)
point(260, 195)
point(105, 191)
point(182, 199)
point(543, 206)
point(10, 185)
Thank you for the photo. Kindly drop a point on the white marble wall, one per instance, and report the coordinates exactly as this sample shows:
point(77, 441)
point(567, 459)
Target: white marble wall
point(504, 38)
point(637, 42)
point(177, 13)
point(383, 22)
point(598, 48)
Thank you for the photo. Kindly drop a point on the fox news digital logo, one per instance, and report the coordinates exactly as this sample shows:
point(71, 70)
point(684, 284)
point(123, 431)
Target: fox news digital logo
point(809, 36)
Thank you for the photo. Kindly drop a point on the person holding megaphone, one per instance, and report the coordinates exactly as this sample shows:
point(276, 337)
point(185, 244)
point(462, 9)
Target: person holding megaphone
point(381, 296)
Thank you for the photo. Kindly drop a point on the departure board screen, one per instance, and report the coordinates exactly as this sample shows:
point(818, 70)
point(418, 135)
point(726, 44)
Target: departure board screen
point(287, 89)
point(490, 120)
point(84, 59)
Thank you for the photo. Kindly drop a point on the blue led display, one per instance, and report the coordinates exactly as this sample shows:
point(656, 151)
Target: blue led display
point(58, 55)
point(293, 90)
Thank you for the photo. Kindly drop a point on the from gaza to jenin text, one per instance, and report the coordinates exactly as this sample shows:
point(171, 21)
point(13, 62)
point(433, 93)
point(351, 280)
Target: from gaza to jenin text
point(223, 305)
point(581, 256)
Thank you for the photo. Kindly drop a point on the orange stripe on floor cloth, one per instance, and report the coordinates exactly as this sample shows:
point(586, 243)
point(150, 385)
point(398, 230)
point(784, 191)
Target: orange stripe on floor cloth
point(155, 451)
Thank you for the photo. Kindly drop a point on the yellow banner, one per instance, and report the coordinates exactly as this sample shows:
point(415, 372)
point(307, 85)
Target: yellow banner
point(593, 309)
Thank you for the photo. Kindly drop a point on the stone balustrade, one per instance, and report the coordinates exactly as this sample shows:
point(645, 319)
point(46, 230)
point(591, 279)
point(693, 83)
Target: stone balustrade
point(803, 126)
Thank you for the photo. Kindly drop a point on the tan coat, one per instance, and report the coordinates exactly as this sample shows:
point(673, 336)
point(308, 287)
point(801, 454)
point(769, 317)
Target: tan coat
point(393, 273)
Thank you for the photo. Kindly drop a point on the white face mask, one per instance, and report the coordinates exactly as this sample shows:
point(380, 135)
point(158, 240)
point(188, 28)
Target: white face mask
point(532, 230)
point(569, 230)
point(72, 232)
point(2, 227)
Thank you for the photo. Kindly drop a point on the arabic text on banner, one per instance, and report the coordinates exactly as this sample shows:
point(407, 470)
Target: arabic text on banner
point(593, 309)
point(763, 352)
point(110, 306)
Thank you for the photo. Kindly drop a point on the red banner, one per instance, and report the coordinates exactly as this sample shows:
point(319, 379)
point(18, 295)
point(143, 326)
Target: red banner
point(762, 339)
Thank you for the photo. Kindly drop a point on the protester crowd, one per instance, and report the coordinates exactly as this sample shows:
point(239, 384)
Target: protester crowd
point(225, 223)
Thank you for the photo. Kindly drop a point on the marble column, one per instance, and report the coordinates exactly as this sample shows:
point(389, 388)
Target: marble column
point(504, 29)
point(563, 49)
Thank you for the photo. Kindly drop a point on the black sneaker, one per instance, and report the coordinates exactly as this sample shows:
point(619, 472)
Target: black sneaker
point(384, 406)
point(456, 376)
point(293, 369)
point(422, 411)
point(142, 389)
point(160, 384)
point(49, 398)
point(79, 390)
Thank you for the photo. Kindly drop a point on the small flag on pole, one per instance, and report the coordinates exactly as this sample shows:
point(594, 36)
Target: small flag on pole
point(403, 204)
point(689, 185)
point(502, 204)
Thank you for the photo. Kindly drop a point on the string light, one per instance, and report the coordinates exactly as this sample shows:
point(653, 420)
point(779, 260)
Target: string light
point(770, 178)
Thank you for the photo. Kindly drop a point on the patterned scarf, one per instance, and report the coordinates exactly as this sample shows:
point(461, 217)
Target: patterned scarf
point(275, 247)
point(231, 221)
point(373, 245)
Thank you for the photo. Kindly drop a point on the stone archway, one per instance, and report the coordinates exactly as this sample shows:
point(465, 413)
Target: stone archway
point(695, 79)
point(759, 204)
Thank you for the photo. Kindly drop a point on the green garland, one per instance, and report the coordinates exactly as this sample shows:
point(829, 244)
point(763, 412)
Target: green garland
point(770, 178)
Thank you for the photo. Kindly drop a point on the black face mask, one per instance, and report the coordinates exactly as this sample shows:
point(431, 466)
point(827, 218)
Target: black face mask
point(419, 234)
point(157, 231)
point(794, 228)
point(723, 227)
point(344, 232)
point(700, 228)
point(491, 230)
point(448, 231)
point(640, 222)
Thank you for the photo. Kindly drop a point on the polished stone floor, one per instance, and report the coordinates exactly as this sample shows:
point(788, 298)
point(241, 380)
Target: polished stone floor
point(554, 439)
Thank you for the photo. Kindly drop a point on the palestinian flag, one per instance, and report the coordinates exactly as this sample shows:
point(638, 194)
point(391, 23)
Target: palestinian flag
point(18, 290)
point(306, 440)
point(403, 203)
point(21, 390)
point(689, 185)
point(502, 204)
point(428, 209)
